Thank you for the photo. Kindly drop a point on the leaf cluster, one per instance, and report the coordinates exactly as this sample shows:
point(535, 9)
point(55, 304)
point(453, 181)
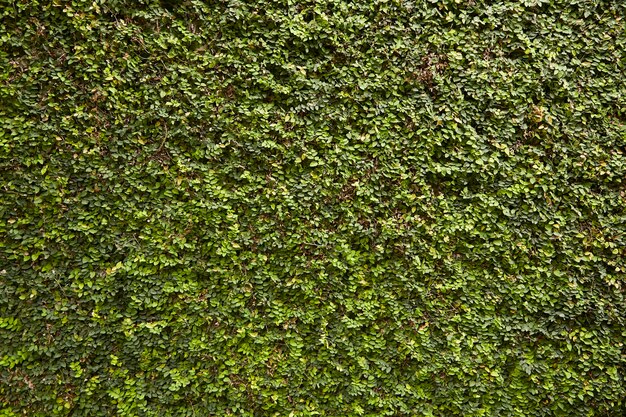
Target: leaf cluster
point(312, 208)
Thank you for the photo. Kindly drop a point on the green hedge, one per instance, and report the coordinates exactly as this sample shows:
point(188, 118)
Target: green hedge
point(312, 208)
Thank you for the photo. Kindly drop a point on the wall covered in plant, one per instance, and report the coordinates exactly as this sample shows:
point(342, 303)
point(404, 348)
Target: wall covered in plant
point(312, 208)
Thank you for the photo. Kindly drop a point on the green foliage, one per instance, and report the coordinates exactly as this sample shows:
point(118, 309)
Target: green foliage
point(312, 208)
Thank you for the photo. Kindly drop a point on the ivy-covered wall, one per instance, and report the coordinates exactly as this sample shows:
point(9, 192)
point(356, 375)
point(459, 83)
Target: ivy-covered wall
point(312, 208)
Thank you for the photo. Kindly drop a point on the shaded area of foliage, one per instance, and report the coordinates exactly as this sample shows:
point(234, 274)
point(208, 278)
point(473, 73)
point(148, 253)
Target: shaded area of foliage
point(333, 208)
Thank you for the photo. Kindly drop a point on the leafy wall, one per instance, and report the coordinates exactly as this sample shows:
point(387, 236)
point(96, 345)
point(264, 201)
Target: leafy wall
point(312, 208)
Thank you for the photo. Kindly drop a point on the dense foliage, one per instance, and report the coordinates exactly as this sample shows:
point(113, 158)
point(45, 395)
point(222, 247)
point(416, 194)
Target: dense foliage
point(300, 208)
